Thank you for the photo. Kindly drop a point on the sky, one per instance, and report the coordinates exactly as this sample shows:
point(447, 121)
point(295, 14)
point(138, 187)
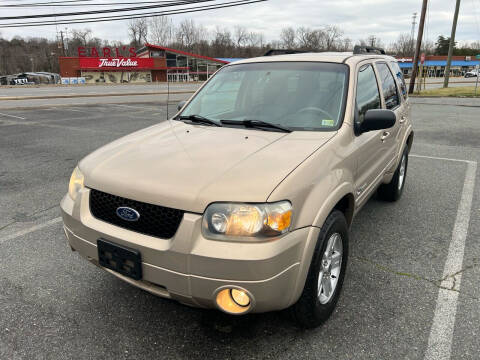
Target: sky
point(358, 19)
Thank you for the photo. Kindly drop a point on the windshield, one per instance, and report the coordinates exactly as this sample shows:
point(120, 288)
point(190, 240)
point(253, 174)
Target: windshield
point(307, 96)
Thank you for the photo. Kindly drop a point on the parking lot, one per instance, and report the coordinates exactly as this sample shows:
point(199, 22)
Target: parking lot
point(410, 292)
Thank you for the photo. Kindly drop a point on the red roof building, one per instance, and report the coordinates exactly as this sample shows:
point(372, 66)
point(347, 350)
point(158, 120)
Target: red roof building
point(149, 64)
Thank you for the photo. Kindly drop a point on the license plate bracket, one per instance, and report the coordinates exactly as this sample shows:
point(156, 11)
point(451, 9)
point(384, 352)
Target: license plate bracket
point(119, 258)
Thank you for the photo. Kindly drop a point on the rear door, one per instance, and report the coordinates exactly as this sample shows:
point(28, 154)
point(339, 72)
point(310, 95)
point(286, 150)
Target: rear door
point(404, 112)
point(390, 137)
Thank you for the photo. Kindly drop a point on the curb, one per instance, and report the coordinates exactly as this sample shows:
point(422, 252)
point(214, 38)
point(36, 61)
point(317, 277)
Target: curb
point(46, 97)
point(163, 103)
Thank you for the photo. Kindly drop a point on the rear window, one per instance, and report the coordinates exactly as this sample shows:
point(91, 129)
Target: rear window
point(389, 86)
point(401, 80)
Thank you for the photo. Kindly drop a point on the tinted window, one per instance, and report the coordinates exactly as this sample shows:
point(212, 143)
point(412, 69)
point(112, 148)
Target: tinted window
point(368, 96)
point(388, 86)
point(401, 80)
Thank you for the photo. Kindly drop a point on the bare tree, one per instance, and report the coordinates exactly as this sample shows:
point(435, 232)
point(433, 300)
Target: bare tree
point(428, 47)
point(82, 35)
point(162, 30)
point(253, 40)
point(403, 46)
point(287, 38)
point(241, 35)
point(188, 33)
point(345, 44)
point(331, 36)
point(222, 42)
point(138, 31)
point(309, 39)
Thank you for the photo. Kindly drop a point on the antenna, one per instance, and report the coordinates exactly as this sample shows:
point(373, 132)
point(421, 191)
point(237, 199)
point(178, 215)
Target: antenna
point(168, 93)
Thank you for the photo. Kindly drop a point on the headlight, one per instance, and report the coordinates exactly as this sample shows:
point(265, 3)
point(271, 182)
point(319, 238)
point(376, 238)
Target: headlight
point(76, 183)
point(231, 221)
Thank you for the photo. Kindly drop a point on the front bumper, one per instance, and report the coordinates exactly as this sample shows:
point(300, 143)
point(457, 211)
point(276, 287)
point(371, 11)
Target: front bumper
point(190, 268)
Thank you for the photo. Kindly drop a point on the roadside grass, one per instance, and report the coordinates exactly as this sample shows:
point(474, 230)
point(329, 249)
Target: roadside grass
point(460, 91)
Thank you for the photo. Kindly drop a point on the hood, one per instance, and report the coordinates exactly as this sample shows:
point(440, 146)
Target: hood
point(187, 167)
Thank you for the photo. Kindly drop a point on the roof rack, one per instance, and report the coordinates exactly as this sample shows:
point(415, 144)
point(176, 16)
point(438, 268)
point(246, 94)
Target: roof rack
point(273, 52)
point(361, 49)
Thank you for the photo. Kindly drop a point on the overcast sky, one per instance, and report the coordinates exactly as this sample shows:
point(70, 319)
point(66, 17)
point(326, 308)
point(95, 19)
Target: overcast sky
point(385, 19)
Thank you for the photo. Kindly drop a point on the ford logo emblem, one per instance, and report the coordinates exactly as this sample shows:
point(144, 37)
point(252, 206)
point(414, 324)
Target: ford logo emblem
point(128, 214)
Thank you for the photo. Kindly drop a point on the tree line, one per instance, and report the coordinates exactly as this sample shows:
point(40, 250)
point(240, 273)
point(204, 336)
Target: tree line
point(39, 54)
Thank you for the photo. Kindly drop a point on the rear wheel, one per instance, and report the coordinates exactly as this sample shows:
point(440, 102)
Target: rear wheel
point(326, 274)
point(393, 191)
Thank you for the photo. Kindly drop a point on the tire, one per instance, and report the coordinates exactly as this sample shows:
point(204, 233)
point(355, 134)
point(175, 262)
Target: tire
point(393, 191)
point(314, 307)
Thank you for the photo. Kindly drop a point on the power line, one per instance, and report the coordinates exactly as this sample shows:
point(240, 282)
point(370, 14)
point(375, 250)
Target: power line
point(133, 16)
point(77, 4)
point(104, 11)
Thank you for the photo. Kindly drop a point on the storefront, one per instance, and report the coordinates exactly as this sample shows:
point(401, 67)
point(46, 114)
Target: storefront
point(434, 66)
point(182, 66)
point(152, 63)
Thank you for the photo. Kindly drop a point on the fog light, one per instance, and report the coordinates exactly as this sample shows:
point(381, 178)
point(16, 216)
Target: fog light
point(240, 297)
point(234, 301)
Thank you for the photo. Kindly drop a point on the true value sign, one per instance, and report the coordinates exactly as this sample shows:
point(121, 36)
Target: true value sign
point(89, 63)
point(118, 63)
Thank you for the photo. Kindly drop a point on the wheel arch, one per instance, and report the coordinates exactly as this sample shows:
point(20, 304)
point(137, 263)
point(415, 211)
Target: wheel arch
point(410, 140)
point(341, 199)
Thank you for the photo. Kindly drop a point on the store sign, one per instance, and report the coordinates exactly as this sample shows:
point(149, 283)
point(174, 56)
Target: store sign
point(106, 52)
point(116, 63)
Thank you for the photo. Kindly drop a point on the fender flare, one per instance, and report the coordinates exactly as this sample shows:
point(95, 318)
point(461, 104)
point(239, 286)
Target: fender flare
point(345, 189)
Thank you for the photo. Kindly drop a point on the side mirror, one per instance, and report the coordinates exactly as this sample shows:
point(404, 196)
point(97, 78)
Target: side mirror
point(377, 119)
point(181, 104)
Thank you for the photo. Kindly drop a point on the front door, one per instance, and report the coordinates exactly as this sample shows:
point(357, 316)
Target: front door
point(370, 157)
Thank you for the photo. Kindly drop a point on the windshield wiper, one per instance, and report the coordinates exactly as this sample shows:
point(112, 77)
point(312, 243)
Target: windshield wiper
point(199, 119)
point(259, 124)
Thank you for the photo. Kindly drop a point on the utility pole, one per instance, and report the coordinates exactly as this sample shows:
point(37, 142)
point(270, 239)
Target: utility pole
point(412, 35)
point(63, 43)
point(452, 45)
point(418, 47)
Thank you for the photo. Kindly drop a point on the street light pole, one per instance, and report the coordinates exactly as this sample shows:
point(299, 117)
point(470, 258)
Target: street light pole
point(452, 45)
point(418, 47)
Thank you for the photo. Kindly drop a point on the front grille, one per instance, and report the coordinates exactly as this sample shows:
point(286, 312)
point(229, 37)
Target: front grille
point(154, 220)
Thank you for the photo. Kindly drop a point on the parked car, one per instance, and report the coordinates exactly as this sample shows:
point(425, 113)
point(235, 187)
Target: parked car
point(244, 200)
point(471, 73)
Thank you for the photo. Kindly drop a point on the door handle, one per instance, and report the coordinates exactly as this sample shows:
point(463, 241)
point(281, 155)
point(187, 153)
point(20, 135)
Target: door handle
point(403, 119)
point(385, 135)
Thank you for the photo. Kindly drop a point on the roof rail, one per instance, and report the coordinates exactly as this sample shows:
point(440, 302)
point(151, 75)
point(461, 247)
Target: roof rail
point(361, 49)
point(273, 52)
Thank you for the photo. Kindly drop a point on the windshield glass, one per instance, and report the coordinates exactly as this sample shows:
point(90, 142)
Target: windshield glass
point(298, 95)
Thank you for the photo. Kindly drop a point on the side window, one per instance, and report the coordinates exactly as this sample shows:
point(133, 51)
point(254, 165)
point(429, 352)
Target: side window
point(368, 96)
point(401, 80)
point(389, 86)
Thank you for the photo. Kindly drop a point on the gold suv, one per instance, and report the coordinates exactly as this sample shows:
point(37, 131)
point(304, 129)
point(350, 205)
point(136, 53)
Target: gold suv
point(243, 201)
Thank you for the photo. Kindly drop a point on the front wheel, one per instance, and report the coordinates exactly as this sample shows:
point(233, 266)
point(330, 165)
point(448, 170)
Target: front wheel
point(326, 274)
point(393, 191)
